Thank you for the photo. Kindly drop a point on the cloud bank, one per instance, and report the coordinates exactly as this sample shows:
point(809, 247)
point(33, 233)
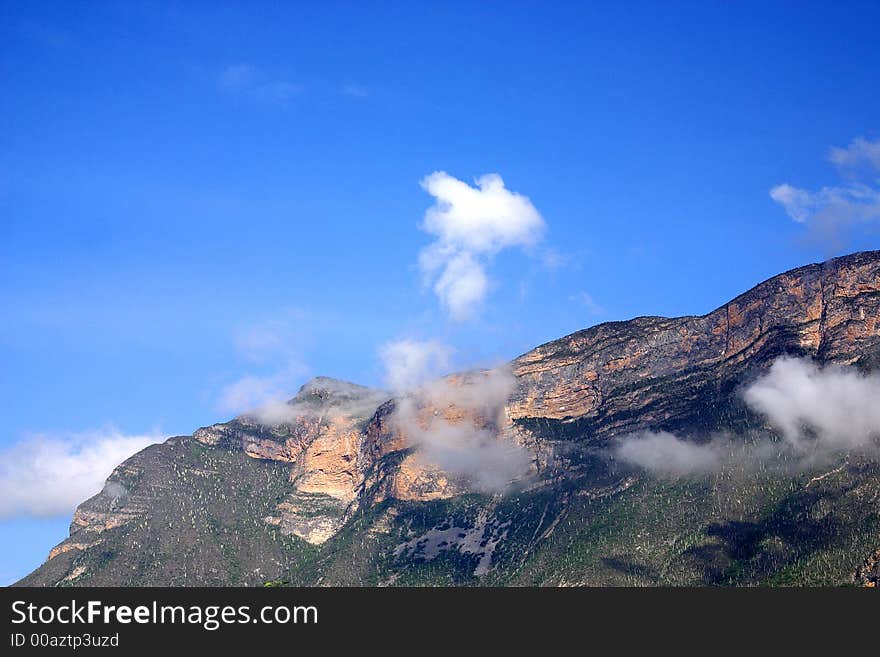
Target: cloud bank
point(666, 455)
point(471, 224)
point(825, 409)
point(47, 476)
point(817, 412)
point(835, 209)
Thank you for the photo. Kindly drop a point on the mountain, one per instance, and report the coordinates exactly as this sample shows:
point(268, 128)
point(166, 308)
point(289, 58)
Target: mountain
point(509, 477)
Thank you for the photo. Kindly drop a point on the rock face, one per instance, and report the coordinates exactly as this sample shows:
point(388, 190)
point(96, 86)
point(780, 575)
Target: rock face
point(262, 498)
point(618, 376)
point(320, 437)
point(868, 574)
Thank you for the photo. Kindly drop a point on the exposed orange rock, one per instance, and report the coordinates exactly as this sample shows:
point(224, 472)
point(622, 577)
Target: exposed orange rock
point(868, 574)
point(67, 547)
point(829, 311)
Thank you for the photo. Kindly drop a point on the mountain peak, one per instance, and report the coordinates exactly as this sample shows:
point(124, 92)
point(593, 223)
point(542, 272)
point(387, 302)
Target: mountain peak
point(326, 394)
point(330, 388)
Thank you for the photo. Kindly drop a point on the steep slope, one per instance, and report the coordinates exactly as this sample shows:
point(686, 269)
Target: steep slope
point(334, 489)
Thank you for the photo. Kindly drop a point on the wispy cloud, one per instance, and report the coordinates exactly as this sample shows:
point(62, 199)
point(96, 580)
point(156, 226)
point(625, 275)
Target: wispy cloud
point(410, 363)
point(277, 337)
point(272, 350)
point(833, 210)
point(831, 206)
point(471, 447)
point(554, 259)
point(340, 396)
point(666, 455)
point(586, 300)
point(253, 392)
point(354, 90)
point(815, 408)
point(48, 475)
point(250, 82)
point(860, 152)
point(816, 412)
point(471, 225)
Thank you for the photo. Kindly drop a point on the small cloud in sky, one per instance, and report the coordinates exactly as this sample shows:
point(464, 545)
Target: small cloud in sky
point(834, 210)
point(272, 349)
point(354, 90)
point(410, 363)
point(253, 391)
point(553, 259)
point(799, 204)
point(49, 475)
point(471, 224)
point(250, 82)
point(278, 337)
point(832, 206)
point(860, 152)
point(586, 300)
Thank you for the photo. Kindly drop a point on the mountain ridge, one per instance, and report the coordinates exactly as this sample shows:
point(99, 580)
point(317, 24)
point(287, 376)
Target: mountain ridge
point(332, 473)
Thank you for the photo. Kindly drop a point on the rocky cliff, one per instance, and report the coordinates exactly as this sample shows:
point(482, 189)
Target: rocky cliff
point(618, 376)
point(342, 485)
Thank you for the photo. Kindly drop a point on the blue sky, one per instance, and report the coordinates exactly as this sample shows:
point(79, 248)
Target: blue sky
point(191, 196)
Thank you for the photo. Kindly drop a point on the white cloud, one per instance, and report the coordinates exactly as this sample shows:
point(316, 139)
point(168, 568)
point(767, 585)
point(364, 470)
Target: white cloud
point(48, 475)
point(271, 346)
point(859, 152)
point(481, 219)
point(276, 338)
point(337, 397)
point(260, 394)
point(588, 302)
point(472, 224)
point(463, 285)
point(246, 80)
point(482, 391)
point(666, 455)
point(818, 409)
point(817, 412)
point(833, 209)
point(248, 392)
point(410, 363)
point(799, 204)
point(830, 206)
point(553, 259)
point(472, 447)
